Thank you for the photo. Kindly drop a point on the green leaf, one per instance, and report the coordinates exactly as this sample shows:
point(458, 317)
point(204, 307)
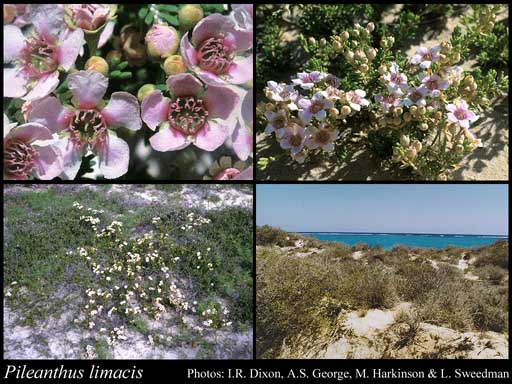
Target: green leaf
point(143, 12)
point(173, 20)
point(167, 7)
point(115, 74)
point(125, 75)
point(123, 65)
point(149, 18)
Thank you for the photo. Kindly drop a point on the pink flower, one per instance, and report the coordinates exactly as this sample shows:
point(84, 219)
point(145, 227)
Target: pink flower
point(92, 18)
point(387, 101)
point(434, 84)
point(23, 158)
point(322, 137)
point(315, 107)
point(282, 93)
point(217, 53)
point(453, 74)
point(425, 57)
point(276, 121)
point(37, 58)
point(88, 125)
point(224, 169)
point(294, 138)
point(356, 99)
point(460, 113)
point(191, 116)
point(416, 96)
point(397, 82)
point(306, 80)
point(243, 17)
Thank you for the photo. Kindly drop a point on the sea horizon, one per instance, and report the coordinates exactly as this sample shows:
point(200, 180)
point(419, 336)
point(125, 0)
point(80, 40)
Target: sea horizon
point(403, 233)
point(388, 240)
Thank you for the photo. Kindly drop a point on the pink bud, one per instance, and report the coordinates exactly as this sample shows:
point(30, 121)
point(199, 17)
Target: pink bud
point(162, 41)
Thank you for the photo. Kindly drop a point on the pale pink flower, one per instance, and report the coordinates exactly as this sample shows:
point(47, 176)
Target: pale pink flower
point(425, 57)
point(218, 53)
point(306, 80)
point(322, 137)
point(459, 113)
point(276, 121)
point(356, 99)
point(23, 157)
point(162, 41)
point(416, 96)
point(396, 81)
point(315, 107)
point(293, 138)
point(434, 84)
point(192, 116)
point(282, 93)
point(38, 57)
point(242, 136)
point(87, 127)
point(387, 101)
point(93, 18)
point(453, 74)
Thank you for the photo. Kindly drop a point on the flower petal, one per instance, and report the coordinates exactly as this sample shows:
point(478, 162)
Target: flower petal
point(15, 82)
point(69, 48)
point(106, 34)
point(155, 108)
point(88, 87)
point(123, 111)
point(211, 78)
point(188, 53)
point(241, 71)
point(14, 42)
point(220, 102)
point(211, 136)
point(48, 19)
point(44, 86)
point(48, 163)
point(246, 174)
point(30, 132)
point(211, 26)
point(242, 142)
point(247, 108)
point(114, 156)
point(50, 113)
point(184, 84)
point(71, 157)
point(168, 140)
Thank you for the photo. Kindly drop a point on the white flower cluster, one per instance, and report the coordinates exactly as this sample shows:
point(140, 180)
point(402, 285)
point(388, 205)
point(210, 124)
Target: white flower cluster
point(195, 221)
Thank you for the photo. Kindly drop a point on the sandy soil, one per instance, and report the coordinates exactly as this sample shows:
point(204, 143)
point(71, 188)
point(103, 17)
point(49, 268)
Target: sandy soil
point(487, 163)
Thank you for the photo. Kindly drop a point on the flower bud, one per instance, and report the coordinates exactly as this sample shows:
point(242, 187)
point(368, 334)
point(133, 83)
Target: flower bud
point(174, 64)
point(338, 47)
point(468, 80)
point(430, 109)
point(98, 64)
point(189, 15)
point(344, 36)
point(391, 40)
point(422, 110)
point(456, 57)
point(312, 41)
point(484, 101)
point(453, 128)
point(359, 55)
point(413, 109)
point(162, 41)
point(384, 43)
point(397, 120)
point(407, 117)
point(323, 42)
point(398, 111)
point(349, 55)
point(459, 148)
point(145, 90)
point(334, 112)
point(370, 26)
point(404, 141)
point(443, 177)
point(411, 153)
point(372, 53)
point(423, 127)
point(473, 87)
point(345, 110)
point(355, 32)
point(418, 146)
point(382, 69)
point(446, 47)
point(357, 26)
point(363, 68)
point(438, 115)
point(365, 32)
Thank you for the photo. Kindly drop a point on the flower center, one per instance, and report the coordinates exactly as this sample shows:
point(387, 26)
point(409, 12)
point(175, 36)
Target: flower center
point(279, 122)
point(215, 56)
point(39, 57)
point(187, 115)
point(316, 106)
point(88, 127)
point(19, 158)
point(322, 136)
point(295, 140)
point(415, 96)
point(432, 84)
point(460, 114)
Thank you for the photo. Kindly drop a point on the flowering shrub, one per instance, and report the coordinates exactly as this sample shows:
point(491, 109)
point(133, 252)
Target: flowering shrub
point(61, 61)
point(419, 111)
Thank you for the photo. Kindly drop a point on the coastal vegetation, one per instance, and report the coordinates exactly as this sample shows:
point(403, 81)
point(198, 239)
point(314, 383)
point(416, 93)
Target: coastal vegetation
point(329, 300)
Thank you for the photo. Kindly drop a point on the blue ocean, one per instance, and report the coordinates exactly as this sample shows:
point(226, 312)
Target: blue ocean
point(415, 240)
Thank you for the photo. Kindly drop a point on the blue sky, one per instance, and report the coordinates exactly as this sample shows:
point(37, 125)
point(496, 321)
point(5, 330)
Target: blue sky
point(416, 208)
